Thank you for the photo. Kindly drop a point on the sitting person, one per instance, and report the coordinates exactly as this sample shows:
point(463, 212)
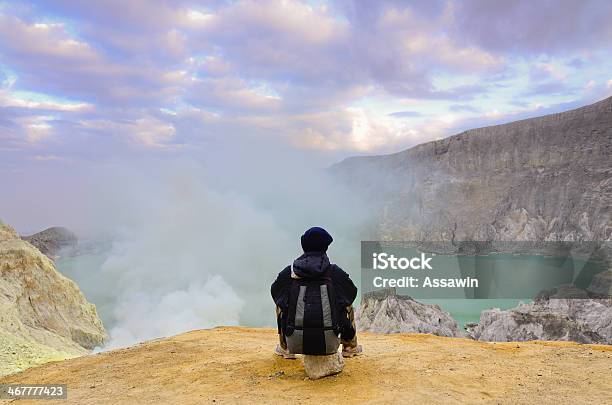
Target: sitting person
point(329, 305)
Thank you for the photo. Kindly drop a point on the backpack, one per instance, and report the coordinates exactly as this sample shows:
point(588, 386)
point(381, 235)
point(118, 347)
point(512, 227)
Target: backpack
point(312, 324)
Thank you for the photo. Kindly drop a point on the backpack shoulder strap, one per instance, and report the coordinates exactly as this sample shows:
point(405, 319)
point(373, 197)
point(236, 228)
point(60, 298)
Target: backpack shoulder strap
point(294, 292)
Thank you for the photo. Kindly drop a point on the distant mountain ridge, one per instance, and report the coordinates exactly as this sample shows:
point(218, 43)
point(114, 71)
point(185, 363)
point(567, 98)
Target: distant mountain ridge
point(52, 240)
point(547, 178)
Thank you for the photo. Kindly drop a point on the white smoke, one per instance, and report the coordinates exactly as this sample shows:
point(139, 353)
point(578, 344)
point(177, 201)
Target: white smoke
point(195, 246)
point(140, 315)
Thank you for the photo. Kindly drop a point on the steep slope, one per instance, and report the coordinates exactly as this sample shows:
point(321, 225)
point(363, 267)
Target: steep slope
point(43, 315)
point(546, 178)
point(236, 365)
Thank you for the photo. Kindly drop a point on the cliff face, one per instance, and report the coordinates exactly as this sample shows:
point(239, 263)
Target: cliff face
point(546, 178)
point(41, 311)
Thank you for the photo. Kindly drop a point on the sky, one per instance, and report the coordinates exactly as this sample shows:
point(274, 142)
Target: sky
point(83, 83)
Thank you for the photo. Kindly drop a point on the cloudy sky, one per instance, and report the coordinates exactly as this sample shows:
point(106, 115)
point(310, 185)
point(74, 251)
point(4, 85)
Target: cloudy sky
point(84, 81)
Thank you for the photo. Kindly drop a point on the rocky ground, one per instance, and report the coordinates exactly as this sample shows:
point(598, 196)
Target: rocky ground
point(236, 365)
point(18, 354)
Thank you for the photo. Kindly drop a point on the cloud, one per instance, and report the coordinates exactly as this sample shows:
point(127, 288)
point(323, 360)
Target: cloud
point(37, 129)
point(546, 71)
point(405, 114)
point(549, 88)
point(396, 52)
point(463, 108)
point(327, 76)
point(231, 95)
point(46, 158)
point(146, 130)
point(527, 27)
point(49, 59)
point(9, 100)
point(144, 28)
point(26, 131)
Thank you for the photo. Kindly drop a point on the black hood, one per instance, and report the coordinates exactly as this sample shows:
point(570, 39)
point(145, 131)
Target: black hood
point(311, 265)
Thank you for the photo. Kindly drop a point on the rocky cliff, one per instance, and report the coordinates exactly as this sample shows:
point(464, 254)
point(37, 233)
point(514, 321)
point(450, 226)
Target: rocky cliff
point(43, 315)
point(52, 240)
point(544, 179)
point(386, 312)
point(578, 320)
point(564, 313)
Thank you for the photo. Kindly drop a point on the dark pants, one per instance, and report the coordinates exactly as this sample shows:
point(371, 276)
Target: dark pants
point(346, 343)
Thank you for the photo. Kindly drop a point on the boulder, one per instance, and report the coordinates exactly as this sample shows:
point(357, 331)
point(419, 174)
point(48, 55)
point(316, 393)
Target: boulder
point(321, 366)
point(578, 320)
point(384, 311)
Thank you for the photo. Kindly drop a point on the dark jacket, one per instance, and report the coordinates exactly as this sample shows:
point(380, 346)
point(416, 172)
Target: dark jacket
point(313, 265)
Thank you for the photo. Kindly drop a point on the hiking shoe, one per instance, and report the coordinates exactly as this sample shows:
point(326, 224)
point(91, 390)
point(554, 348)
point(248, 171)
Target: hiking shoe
point(351, 351)
point(284, 353)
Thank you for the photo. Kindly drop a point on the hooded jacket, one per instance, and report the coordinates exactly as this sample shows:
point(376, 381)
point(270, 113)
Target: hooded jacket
point(312, 265)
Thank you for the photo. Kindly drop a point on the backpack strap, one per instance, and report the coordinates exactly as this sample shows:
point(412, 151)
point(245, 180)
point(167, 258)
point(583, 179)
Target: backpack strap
point(294, 292)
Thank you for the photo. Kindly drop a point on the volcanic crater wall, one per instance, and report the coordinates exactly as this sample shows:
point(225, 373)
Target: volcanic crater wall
point(546, 179)
point(43, 315)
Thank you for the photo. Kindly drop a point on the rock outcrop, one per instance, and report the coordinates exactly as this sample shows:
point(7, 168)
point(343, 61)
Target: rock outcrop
point(563, 313)
point(52, 240)
point(540, 179)
point(578, 320)
point(386, 312)
point(41, 308)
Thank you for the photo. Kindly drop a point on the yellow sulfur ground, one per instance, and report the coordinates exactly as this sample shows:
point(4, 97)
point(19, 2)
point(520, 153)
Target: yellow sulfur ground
point(236, 365)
